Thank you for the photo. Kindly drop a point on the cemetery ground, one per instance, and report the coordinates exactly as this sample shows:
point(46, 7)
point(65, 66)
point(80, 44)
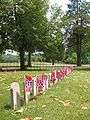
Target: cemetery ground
point(67, 100)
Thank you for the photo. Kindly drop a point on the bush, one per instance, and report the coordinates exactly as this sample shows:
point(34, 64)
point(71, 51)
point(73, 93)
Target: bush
point(71, 58)
point(9, 58)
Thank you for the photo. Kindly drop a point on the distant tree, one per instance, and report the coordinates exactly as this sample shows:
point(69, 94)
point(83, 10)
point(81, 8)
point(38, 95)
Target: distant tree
point(53, 49)
point(22, 22)
point(75, 35)
point(36, 26)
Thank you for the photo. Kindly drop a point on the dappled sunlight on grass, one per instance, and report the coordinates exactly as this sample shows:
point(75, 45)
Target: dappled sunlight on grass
point(67, 100)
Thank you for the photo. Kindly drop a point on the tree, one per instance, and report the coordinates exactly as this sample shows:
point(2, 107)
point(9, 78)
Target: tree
point(32, 21)
point(24, 22)
point(10, 27)
point(4, 25)
point(35, 28)
point(76, 31)
point(53, 49)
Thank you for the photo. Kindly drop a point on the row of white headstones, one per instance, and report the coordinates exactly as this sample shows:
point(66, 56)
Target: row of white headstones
point(35, 85)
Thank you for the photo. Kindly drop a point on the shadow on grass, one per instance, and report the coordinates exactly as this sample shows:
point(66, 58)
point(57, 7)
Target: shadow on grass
point(39, 68)
point(12, 69)
point(82, 68)
point(7, 107)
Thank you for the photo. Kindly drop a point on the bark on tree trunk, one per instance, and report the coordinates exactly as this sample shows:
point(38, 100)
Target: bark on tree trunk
point(29, 59)
point(22, 60)
point(79, 45)
point(52, 61)
point(79, 52)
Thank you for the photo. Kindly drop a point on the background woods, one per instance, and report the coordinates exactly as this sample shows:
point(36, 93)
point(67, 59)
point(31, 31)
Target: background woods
point(60, 37)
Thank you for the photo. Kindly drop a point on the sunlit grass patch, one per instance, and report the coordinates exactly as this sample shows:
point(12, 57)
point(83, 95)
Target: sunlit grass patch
point(68, 100)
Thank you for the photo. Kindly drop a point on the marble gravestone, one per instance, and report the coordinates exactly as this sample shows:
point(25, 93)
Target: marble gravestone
point(15, 95)
point(27, 88)
point(34, 86)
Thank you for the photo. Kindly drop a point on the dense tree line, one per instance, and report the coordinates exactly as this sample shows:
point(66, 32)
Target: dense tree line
point(25, 27)
point(21, 23)
point(75, 37)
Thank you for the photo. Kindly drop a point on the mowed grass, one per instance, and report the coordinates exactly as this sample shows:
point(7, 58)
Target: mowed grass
point(68, 100)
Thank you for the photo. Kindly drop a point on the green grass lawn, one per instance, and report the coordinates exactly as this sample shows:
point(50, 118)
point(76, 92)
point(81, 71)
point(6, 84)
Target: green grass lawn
point(68, 100)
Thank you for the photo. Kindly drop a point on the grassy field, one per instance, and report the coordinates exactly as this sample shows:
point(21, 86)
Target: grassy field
point(68, 100)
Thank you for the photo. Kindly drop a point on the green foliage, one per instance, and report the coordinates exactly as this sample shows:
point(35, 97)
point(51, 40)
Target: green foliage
point(71, 58)
point(9, 59)
point(53, 49)
point(86, 58)
point(36, 57)
point(22, 25)
point(75, 35)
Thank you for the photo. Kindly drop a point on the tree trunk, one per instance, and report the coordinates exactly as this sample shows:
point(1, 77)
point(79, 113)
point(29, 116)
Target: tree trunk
point(29, 59)
point(79, 52)
point(52, 61)
point(79, 45)
point(22, 60)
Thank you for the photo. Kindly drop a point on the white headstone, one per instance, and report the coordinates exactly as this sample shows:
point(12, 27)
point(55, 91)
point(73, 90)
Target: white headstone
point(27, 89)
point(47, 83)
point(56, 79)
point(49, 79)
point(34, 86)
point(44, 85)
point(15, 95)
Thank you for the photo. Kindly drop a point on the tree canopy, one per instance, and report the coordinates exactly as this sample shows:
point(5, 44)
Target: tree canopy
point(75, 35)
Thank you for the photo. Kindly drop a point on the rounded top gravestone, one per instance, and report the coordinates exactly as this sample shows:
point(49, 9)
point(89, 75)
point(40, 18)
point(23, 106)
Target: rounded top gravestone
point(15, 87)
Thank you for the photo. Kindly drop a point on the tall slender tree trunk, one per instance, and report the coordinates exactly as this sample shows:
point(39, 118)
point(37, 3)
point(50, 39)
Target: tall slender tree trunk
point(78, 39)
point(22, 60)
point(79, 45)
point(53, 61)
point(29, 59)
point(79, 51)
